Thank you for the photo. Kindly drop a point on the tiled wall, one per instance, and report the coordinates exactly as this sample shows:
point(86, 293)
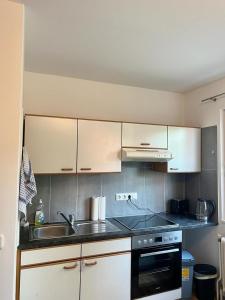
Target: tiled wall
point(204, 185)
point(71, 193)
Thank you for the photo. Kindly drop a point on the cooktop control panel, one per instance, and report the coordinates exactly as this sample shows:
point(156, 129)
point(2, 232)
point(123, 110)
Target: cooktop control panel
point(150, 240)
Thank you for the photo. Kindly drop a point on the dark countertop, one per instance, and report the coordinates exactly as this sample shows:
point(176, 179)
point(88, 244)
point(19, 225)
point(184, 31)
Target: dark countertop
point(184, 223)
point(187, 222)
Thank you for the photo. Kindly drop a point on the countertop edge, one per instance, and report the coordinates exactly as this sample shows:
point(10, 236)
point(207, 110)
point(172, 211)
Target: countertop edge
point(191, 224)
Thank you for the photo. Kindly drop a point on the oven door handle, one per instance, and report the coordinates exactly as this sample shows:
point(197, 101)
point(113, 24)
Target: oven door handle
point(160, 252)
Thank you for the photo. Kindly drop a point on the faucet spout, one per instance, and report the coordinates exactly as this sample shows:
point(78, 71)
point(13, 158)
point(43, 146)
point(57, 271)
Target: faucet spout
point(69, 222)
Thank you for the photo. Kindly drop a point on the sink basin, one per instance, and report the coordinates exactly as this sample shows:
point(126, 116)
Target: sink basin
point(51, 231)
point(92, 227)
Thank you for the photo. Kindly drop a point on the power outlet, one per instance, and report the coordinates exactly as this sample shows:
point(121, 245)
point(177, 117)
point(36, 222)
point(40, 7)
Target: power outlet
point(126, 196)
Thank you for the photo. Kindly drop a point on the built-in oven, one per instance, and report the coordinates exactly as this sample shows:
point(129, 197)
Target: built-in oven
point(156, 265)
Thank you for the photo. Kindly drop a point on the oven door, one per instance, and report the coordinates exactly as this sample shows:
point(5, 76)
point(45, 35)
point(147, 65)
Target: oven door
point(155, 270)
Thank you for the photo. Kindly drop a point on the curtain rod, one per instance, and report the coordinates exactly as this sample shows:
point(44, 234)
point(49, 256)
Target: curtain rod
point(213, 98)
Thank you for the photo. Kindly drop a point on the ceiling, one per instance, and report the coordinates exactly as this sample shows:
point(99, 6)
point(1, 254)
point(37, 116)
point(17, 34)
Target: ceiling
point(173, 45)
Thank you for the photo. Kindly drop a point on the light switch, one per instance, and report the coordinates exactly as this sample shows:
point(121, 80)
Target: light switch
point(2, 241)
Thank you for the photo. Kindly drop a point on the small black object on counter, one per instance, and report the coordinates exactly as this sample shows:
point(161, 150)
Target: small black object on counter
point(179, 206)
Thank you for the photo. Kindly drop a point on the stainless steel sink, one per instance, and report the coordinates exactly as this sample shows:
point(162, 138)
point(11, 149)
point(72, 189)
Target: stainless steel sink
point(53, 231)
point(89, 227)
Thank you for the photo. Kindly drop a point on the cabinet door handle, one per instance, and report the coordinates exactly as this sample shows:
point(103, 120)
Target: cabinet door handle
point(174, 169)
point(85, 169)
point(145, 144)
point(74, 266)
point(67, 169)
point(90, 264)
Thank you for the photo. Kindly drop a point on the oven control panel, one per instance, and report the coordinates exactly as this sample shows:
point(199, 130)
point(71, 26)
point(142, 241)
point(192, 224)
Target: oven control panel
point(155, 239)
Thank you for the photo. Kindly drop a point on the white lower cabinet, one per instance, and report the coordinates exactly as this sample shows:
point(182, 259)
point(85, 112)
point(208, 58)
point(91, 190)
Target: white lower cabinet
point(67, 272)
point(51, 282)
point(106, 278)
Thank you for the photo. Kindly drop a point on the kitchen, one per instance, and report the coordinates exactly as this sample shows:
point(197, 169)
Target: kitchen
point(135, 146)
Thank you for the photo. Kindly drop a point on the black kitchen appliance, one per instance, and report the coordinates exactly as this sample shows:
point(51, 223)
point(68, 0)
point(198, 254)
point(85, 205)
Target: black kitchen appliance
point(179, 206)
point(147, 222)
point(156, 258)
point(156, 265)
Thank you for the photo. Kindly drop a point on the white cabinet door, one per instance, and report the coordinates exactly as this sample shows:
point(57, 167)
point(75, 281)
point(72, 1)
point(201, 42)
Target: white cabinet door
point(106, 278)
point(99, 146)
point(144, 136)
point(51, 144)
point(185, 145)
point(53, 282)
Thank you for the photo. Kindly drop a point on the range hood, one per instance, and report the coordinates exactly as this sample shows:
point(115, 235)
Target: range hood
point(148, 155)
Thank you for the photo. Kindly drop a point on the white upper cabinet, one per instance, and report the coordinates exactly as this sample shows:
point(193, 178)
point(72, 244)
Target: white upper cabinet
point(185, 145)
point(144, 136)
point(99, 146)
point(51, 144)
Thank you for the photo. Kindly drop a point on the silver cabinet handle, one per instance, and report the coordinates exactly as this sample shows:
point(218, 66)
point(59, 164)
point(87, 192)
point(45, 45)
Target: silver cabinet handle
point(85, 169)
point(160, 252)
point(74, 266)
point(67, 169)
point(174, 169)
point(145, 144)
point(90, 264)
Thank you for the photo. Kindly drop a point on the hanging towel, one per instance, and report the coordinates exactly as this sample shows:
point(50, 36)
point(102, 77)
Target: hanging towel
point(28, 187)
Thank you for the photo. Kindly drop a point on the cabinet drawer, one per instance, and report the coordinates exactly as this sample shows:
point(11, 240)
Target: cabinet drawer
point(104, 247)
point(39, 256)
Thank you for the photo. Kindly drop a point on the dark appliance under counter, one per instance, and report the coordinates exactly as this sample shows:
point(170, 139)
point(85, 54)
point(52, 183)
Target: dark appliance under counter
point(156, 258)
point(156, 266)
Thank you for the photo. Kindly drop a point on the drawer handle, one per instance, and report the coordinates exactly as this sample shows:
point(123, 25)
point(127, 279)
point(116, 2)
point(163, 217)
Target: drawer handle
point(71, 267)
point(85, 169)
point(145, 144)
point(174, 169)
point(90, 264)
point(67, 169)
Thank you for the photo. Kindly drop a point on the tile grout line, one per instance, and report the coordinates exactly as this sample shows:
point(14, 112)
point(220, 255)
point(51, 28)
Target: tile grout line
point(76, 200)
point(164, 192)
point(50, 198)
point(101, 186)
point(144, 192)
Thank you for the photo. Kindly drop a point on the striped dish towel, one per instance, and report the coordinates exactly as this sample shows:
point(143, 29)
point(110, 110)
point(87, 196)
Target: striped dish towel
point(27, 189)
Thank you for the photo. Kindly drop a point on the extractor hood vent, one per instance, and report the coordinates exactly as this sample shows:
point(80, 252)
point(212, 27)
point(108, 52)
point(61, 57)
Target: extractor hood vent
point(150, 155)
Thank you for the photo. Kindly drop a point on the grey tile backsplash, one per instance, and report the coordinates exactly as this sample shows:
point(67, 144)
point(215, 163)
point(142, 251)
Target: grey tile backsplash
point(204, 185)
point(71, 193)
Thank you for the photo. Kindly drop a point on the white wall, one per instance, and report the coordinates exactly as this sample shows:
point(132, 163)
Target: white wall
point(64, 96)
point(203, 243)
point(204, 114)
point(11, 62)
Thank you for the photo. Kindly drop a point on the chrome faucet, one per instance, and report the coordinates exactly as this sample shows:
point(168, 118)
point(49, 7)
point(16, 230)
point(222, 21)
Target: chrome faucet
point(71, 219)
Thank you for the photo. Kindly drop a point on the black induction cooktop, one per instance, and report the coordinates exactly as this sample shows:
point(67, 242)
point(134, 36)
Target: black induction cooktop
point(145, 222)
